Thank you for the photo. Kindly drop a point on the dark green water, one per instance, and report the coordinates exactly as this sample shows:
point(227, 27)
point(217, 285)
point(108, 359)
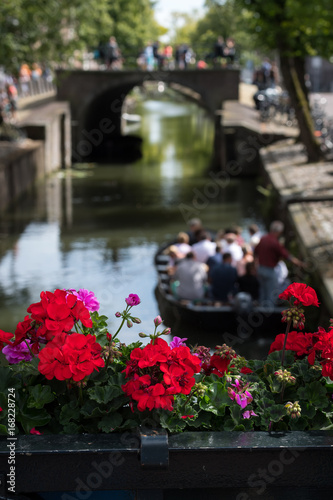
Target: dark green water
point(99, 226)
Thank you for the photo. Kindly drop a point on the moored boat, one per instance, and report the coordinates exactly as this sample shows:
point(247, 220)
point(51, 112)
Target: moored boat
point(242, 317)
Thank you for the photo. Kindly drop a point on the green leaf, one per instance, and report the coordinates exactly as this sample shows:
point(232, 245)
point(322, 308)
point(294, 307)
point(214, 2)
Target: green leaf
point(31, 417)
point(110, 422)
point(315, 394)
point(320, 421)
point(72, 428)
point(298, 424)
point(70, 411)
point(274, 384)
point(40, 395)
point(3, 429)
point(104, 394)
point(308, 410)
point(216, 399)
point(91, 409)
point(236, 414)
point(277, 412)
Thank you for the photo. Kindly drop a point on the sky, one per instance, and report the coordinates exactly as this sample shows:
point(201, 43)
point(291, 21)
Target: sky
point(164, 8)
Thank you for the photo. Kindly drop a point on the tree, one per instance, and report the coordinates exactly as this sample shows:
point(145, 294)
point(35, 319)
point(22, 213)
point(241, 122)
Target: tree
point(52, 30)
point(49, 30)
point(221, 19)
point(133, 25)
point(296, 29)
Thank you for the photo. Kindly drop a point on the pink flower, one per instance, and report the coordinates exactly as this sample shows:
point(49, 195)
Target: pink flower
point(177, 342)
point(17, 353)
point(243, 399)
point(157, 320)
point(133, 299)
point(88, 298)
point(249, 413)
point(34, 431)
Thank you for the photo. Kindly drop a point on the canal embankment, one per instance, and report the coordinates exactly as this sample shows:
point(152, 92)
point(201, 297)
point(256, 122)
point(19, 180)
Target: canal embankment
point(304, 200)
point(45, 145)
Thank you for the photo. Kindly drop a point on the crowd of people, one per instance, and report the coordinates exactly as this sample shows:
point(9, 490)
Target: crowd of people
point(157, 56)
point(218, 266)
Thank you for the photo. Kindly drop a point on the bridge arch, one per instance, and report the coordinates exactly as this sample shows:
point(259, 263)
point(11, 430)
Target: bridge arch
point(96, 99)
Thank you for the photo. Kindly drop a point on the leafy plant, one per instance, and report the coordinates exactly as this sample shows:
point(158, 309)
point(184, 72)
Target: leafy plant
point(66, 373)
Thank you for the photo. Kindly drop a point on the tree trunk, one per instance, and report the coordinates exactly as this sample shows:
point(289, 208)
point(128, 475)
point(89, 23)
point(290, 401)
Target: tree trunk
point(293, 79)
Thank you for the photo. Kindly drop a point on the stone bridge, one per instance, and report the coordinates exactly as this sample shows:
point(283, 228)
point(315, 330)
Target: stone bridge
point(96, 99)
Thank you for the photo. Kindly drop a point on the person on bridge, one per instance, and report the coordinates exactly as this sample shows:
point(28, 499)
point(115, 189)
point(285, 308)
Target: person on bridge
point(112, 53)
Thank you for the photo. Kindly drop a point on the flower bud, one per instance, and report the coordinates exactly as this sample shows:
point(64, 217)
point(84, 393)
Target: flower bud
point(166, 331)
point(293, 409)
point(118, 314)
point(157, 320)
point(142, 335)
point(109, 336)
point(200, 389)
point(129, 323)
point(136, 320)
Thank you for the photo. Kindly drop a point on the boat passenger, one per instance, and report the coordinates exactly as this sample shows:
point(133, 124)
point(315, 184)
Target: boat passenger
point(182, 244)
point(222, 279)
point(229, 245)
point(249, 282)
point(174, 257)
point(247, 257)
point(189, 279)
point(255, 235)
point(268, 253)
point(195, 226)
point(216, 258)
point(205, 247)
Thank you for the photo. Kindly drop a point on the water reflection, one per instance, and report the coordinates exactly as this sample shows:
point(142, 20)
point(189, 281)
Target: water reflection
point(99, 226)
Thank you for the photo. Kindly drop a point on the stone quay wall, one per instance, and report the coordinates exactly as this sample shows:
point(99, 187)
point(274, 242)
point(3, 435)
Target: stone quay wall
point(46, 148)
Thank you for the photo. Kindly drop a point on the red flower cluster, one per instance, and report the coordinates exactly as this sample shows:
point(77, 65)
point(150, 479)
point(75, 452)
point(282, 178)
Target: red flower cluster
point(57, 312)
point(317, 345)
point(302, 293)
point(73, 356)
point(219, 362)
point(157, 373)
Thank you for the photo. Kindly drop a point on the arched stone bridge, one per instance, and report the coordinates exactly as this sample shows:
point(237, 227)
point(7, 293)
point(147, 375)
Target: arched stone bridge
point(96, 99)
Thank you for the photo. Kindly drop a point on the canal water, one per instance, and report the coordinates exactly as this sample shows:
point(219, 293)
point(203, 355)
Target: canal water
point(98, 226)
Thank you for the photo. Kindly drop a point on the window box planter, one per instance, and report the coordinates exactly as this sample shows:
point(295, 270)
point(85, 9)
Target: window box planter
point(229, 465)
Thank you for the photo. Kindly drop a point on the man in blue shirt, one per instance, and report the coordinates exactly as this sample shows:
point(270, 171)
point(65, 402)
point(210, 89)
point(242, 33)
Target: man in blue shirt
point(222, 278)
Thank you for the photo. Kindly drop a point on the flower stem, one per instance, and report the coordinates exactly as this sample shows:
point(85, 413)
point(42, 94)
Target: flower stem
point(285, 342)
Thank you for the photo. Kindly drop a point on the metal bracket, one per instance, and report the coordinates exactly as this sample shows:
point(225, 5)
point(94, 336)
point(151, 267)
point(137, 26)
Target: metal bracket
point(154, 450)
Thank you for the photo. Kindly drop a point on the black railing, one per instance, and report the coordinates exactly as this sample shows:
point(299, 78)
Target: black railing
point(190, 465)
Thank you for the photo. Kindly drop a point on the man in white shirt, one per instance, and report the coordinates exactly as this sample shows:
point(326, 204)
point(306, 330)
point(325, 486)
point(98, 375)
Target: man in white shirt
point(191, 276)
point(205, 247)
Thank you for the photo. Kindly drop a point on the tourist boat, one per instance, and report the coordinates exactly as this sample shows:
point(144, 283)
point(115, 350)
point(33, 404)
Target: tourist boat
point(242, 318)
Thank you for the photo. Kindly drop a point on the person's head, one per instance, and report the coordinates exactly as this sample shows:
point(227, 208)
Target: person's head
point(276, 227)
point(203, 235)
point(183, 238)
point(250, 268)
point(194, 224)
point(227, 258)
point(230, 237)
point(172, 251)
point(190, 255)
point(253, 229)
point(247, 250)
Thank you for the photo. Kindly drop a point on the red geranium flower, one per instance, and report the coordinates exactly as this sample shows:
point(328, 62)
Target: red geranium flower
point(300, 343)
point(245, 370)
point(5, 338)
point(156, 373)
point(72, 356)
point(218, 365)
point(302, 293)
